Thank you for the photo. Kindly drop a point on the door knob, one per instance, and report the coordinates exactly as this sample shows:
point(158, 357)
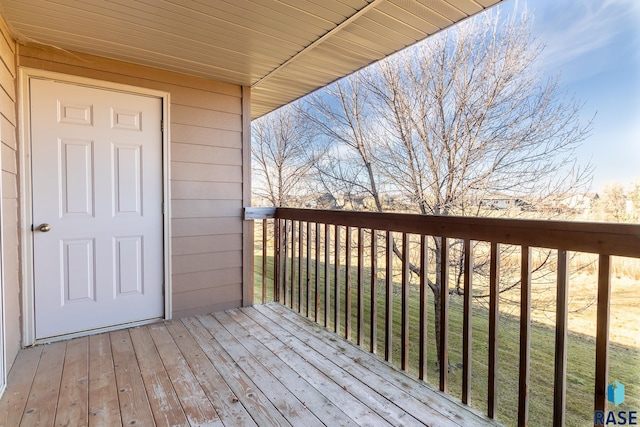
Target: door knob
point(44, 227)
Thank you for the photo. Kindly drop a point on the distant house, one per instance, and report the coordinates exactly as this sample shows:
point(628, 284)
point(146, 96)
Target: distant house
point(505, 203)
point(326, 201)
point(578, 203)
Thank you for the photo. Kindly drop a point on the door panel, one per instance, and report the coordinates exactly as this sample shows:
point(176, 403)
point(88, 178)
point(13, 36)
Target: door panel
point(76, 178)
point(127, 179)
point(78, 271)
point(129, 265)
point(97, 182)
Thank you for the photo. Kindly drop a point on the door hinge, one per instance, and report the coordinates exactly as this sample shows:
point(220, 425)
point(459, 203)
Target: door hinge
point(161, 125)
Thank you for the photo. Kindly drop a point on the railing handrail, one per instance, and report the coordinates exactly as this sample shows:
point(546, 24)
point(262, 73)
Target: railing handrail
point(591, 237)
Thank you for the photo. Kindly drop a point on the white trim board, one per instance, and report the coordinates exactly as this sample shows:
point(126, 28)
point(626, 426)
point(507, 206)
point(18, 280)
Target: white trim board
point(3, 319)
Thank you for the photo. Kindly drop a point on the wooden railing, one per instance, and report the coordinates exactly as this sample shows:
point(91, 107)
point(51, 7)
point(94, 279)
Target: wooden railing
point(308, 248)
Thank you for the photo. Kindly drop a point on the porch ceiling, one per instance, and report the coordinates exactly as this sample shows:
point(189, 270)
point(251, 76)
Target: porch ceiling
point(283, 49)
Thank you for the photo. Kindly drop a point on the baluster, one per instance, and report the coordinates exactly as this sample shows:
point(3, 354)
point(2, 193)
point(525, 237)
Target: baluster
point(293, 263)
point(285, 245)
point(525, 336)
point(422, 362)
point(264, 260)
point(276, 260)
point(360, 287)
point(374, 292)
point(316, 313)
point(467, 335)
point(308, 282)
point(602, 333)
point(444, 313)
point(347, 295)
point(327, 274)
point(300, 254)
point(336, 281)
point(494, 282)
point(388, 336)
point(404, 337)
point(562, 312)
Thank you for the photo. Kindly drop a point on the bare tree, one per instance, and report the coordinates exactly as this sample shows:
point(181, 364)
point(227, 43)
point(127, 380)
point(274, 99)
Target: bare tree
point(342, 113)
point(468, 115)
point(281, 143)
point(617, 203)
point(447, 123)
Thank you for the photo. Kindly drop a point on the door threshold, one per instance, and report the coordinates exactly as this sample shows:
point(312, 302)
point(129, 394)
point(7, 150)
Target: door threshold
point(96, 331)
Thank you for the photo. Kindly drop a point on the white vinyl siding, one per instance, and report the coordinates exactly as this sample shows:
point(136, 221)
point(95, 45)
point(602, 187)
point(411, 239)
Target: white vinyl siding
point(10, 214)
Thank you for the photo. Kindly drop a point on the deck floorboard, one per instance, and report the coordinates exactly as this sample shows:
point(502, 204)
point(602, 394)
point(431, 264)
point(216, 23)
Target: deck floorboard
point(104, 409)
point(258, 366)
point(73, 401)
point(14, 400)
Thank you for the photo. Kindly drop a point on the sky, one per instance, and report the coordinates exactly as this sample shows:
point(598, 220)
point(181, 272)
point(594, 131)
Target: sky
point(595, 46)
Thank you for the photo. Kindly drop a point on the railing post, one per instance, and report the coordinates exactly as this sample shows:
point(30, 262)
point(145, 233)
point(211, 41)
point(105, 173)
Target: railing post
point(602, 333)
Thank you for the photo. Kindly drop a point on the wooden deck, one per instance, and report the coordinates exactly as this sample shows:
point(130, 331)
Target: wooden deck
point(264, 366)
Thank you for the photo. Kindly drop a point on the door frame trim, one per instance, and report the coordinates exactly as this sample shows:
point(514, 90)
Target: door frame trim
point(25, 75)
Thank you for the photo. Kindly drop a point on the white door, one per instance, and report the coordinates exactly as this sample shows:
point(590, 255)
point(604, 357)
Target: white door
point(96, 161)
